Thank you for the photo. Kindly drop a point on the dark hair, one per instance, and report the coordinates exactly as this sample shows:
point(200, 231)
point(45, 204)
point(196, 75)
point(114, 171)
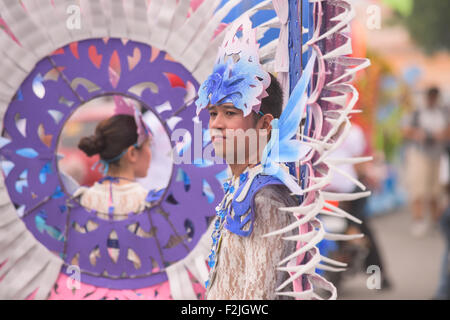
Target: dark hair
point(112, 136)
point(273, 104)
point(433, 92)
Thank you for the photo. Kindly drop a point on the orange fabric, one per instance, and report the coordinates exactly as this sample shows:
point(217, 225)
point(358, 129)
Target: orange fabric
point(334, 203)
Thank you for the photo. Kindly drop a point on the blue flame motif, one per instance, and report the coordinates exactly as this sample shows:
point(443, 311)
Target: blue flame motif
point(235, 83)
point(281, 147)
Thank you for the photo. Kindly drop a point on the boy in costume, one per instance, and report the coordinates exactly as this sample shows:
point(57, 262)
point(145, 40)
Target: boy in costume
point(242, 98)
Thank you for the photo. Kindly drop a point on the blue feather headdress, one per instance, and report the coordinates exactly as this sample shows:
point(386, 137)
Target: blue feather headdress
point(238, 76)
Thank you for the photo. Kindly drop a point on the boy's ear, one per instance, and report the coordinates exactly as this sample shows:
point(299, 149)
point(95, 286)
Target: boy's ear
point(264, 122)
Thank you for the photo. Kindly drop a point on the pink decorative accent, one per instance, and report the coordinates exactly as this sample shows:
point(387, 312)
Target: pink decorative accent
point(314, 96)
point(122, 107)
point(195, 4)
point(3, 263)
point(114, 64)
point(5, 28)
point(154, 55)
point(1, 266)
point(32, 295)
point(62, 291)
point(220, 28)
point(297, 283)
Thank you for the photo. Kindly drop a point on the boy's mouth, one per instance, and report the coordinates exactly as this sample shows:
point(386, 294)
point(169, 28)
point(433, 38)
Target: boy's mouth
point(217, 138)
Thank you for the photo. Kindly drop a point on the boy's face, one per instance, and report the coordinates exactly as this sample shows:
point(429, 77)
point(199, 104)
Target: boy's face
point(234, 136)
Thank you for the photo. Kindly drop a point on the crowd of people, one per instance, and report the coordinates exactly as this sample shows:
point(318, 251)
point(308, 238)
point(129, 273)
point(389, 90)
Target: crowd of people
point(427, 134)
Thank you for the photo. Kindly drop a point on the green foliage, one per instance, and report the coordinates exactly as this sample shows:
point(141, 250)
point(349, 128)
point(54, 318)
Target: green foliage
point(404, 7)
point(428, 24)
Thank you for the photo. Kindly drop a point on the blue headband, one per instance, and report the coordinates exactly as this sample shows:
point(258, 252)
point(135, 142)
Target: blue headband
point(106, 163)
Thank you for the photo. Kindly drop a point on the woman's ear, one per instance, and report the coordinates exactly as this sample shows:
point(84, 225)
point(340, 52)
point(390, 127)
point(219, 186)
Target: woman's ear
point(131, 155)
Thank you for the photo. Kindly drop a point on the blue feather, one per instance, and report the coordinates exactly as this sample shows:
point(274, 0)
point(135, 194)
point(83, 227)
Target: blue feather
point(280, 147)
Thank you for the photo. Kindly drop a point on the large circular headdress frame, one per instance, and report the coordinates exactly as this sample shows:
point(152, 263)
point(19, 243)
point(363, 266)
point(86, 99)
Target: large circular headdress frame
point(55, 75)
point(49, 67)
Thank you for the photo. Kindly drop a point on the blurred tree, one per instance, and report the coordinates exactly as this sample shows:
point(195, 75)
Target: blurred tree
point(427, 24)
point(404, 7)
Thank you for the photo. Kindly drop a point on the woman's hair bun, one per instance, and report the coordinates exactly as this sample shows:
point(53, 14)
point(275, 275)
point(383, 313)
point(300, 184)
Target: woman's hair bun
point(92, 145)
point(112, 136)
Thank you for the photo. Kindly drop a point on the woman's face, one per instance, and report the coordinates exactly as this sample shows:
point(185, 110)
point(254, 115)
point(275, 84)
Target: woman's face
point(144, 156)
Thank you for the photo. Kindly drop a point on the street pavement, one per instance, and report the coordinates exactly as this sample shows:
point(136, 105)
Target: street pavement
point(412, 264)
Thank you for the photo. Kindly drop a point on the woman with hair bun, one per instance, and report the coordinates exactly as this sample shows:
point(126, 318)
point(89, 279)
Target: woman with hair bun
point(123, 143)
point(123, 160)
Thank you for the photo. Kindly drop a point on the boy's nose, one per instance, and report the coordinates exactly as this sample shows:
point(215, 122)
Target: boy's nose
point(217, 122)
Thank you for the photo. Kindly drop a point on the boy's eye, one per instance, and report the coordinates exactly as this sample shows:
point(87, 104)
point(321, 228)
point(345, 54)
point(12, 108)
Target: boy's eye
point(213, 114)
point(230, 113)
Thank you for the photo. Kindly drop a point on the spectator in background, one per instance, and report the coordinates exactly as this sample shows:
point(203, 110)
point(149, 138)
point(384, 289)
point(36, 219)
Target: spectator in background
point(425, 129)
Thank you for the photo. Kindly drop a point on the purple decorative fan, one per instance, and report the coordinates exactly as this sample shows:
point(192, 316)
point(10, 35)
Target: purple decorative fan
point(59, 84)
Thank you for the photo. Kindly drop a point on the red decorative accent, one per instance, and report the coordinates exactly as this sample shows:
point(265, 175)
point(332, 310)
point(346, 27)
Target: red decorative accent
point(95, 57)
point(74, 49)
point(175, 81)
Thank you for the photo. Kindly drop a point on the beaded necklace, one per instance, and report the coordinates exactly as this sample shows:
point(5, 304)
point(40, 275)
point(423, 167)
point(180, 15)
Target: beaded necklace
point(222, 210)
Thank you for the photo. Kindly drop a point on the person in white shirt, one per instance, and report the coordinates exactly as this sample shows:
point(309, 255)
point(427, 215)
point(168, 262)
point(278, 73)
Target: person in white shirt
point(425, 129)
